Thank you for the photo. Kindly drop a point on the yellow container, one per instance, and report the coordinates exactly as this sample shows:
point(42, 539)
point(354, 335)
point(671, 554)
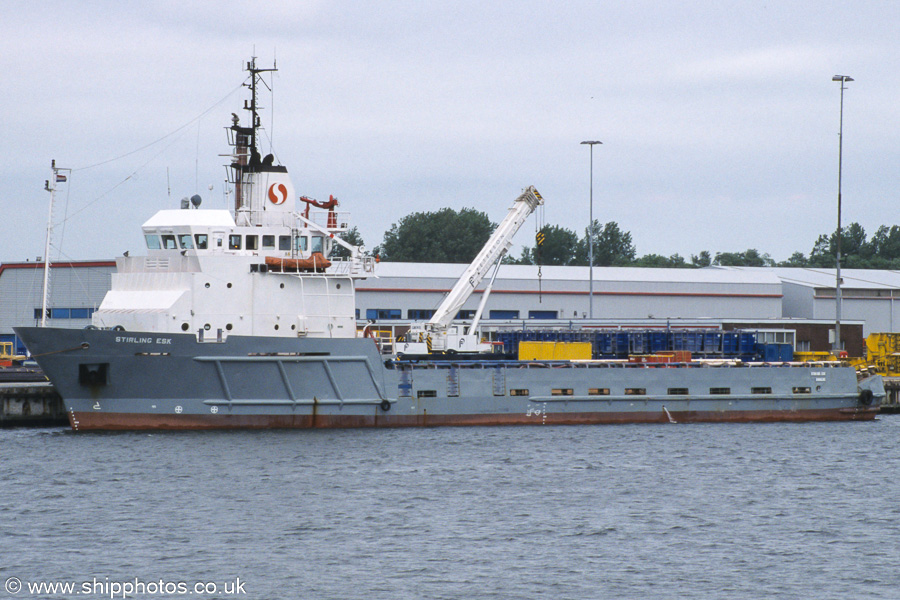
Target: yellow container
point(554, 351)
point(813, 356)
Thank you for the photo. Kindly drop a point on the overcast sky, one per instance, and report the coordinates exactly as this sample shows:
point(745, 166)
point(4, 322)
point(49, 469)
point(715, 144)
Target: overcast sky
point(719, 120)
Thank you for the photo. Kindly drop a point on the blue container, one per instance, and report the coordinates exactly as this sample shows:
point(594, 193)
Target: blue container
point(672, 341)
point(695, 341)
point(786, 352)
point(747, 342)
point(679, 340)
point(621, 344)
point(657, 341)
point(768, 352)
point(712, 342)
point(640, 342)
point(730, 343)
point(604, 344)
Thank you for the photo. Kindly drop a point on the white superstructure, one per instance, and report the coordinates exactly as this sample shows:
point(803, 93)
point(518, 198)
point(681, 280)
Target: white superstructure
point(260, 271)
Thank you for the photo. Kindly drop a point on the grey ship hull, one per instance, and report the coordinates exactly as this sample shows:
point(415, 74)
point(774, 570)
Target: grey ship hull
point(123, 380)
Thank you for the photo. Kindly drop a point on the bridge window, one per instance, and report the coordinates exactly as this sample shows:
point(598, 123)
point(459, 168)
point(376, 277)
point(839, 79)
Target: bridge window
point(284, 242)
point(268, 241)
point(152, 241)
point(252, 242)
point(186, 242)
point(467, 313)
point(234, 242)
point(168, 242)
point(318, 243)
point(202, 241)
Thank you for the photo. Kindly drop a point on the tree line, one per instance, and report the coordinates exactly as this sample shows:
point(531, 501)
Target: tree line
point(454, 236)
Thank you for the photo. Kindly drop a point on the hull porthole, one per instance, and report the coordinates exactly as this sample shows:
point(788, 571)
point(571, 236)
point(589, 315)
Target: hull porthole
point(385, 405)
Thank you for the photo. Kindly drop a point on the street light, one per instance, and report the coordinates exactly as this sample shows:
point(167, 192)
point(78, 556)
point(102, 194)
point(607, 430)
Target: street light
point(590, 232)
point(837, 286)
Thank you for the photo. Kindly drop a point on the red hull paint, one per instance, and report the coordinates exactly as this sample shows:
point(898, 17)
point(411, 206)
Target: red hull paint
point(133, 421)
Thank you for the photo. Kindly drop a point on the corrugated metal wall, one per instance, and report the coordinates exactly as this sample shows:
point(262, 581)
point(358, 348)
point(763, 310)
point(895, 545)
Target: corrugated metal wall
point(72, 285)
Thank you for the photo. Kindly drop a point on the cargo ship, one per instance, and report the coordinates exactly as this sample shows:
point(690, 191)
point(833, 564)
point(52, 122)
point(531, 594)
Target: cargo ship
point(245, 318)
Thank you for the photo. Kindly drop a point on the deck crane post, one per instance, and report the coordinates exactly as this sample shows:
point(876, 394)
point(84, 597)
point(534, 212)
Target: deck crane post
point(439, 334)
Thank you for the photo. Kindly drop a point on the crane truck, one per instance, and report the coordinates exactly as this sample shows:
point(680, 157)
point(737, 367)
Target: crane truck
point(439, 334)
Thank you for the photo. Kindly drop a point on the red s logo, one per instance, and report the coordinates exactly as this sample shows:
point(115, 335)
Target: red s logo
point(277, 193)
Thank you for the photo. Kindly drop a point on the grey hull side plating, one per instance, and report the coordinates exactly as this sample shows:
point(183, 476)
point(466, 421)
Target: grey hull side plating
point(125, 380)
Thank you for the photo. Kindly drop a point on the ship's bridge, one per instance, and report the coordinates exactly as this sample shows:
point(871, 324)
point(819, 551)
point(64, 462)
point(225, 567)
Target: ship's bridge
point(199, 232)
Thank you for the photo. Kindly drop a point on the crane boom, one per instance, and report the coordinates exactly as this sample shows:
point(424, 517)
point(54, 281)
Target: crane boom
point(499, 242)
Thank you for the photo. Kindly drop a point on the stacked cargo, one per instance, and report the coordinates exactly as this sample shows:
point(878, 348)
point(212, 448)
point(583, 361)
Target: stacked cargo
point(621, 344)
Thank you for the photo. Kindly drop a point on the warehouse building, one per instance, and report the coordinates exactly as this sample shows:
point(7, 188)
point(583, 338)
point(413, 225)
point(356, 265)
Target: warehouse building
point(412, 291)
point(785, 305)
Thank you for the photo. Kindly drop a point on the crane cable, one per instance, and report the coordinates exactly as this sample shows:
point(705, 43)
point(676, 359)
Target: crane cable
point(538, 248)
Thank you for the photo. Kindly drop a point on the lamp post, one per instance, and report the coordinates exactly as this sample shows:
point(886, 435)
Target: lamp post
point(590, 234)
point(837, 285)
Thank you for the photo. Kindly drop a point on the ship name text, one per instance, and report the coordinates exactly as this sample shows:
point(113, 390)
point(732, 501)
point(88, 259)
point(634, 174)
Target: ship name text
point(121, 339)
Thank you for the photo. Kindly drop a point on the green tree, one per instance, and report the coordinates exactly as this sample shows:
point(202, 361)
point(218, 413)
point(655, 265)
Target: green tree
point(442, 236)
point(351, 236)
point(558, 248)
point(526, 258)
point(855, 250)
point(701, 260)
point(797, 259)
point(885, 244)
point(748, 258)
point(612, 246)
point(676, 261)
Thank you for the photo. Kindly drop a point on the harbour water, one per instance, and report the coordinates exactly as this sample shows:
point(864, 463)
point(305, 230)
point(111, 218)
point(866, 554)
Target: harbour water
point(707, 511)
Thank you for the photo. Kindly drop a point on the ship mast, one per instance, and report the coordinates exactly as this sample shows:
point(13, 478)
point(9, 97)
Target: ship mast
point(243, 139)
point(50, 186)
point(255, 77)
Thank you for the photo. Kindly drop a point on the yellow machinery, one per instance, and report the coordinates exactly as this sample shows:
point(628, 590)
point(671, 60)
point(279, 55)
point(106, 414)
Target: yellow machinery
point(883, 351)
point(7, 357)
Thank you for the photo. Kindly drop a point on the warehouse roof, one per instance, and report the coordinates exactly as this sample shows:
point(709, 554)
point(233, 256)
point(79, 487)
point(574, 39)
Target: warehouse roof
point(629, 274)
point(825, 278)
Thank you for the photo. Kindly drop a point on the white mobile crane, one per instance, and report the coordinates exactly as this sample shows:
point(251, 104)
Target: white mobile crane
point(439, 334)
